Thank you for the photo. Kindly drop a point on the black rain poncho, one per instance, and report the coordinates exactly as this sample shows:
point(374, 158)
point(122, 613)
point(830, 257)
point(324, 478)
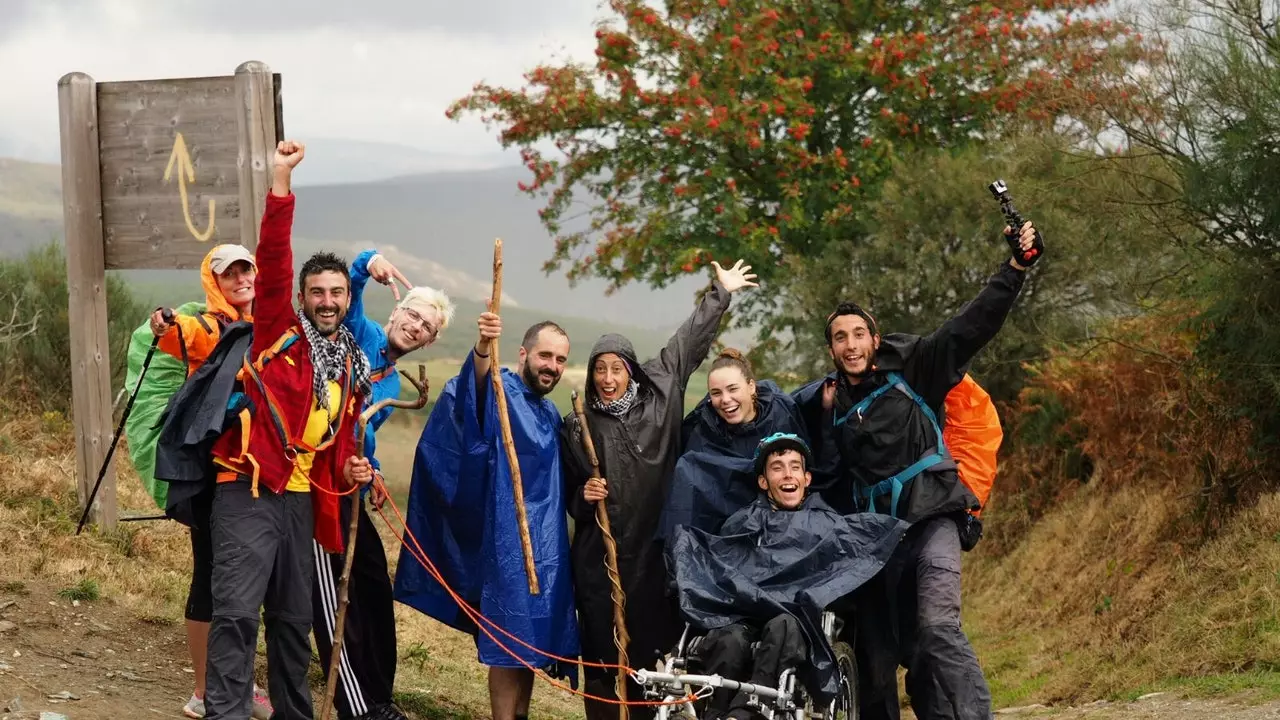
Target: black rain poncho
point(637, 453)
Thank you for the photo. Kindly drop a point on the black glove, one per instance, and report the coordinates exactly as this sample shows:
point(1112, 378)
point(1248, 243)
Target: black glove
point(1030, 257)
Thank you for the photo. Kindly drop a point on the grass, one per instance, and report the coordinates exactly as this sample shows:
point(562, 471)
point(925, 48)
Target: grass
point(84, 591)
point(1098, 600)
point(145, 568)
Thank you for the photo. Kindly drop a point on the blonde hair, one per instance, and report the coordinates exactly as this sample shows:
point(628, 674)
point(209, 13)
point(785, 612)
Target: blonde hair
point(423, 298)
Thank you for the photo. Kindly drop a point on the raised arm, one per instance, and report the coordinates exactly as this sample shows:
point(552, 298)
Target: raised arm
point(356, 321)
point(692, 341)
point(941, 358)
point(273, 306)
point(490, 326)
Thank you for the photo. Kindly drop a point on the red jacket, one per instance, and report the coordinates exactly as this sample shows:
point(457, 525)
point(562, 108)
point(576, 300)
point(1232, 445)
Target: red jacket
point(288, 378)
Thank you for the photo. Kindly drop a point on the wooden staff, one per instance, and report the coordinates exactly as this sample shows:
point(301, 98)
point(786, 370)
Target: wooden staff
point(344, 585)
point(621, 639)
point(504, 420)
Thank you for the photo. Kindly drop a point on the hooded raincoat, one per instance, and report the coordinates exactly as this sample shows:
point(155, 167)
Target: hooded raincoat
point(715, 477)
point(637, 454)
point(196, 329)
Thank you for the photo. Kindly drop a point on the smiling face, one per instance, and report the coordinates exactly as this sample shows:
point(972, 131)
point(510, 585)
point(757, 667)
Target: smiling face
point(853, 346)
point(542, 366)
point(785, 479)
point(236, 284)
point(610, 377)
point(411, 330)
point(732, 395)
point(325, 298)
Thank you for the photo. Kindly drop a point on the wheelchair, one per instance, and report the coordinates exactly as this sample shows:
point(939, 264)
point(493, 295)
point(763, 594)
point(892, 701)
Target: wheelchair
point(788, 700)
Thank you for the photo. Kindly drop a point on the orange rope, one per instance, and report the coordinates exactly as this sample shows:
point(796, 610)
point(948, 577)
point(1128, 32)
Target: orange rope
point(335, 493)
point(418, 554)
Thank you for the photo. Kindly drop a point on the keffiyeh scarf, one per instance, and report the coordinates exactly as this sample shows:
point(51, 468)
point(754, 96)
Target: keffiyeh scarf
point(329, 357)
point(619, 407)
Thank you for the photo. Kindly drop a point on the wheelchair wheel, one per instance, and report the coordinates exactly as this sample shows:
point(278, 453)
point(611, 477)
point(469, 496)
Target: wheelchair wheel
point(846, 703)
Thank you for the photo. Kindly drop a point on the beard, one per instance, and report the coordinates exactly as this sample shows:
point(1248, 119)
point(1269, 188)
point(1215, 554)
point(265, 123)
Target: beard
point(533, 380)
point(869, 366)
point(316, 322)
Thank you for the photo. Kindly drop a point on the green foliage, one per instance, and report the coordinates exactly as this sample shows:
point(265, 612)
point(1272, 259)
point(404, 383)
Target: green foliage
point(934, 237)
point(36, 368)
point(1221, 96)
point(85, 591)
point(717, 129)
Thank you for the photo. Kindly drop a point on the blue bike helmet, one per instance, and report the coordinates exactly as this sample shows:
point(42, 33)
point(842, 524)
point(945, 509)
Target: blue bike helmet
point(777, 442)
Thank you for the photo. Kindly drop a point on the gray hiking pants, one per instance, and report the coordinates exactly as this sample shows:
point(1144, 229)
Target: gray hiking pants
point(262, 555)
point(909, 615)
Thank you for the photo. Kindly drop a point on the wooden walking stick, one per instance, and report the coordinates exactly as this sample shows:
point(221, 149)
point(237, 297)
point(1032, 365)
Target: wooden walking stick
point(344, 585)
point(620, 637)
point(504, 420)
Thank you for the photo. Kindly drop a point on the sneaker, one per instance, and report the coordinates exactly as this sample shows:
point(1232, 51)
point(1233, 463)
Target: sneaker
point(384, 712)
point(194, 708)
point(261, 704)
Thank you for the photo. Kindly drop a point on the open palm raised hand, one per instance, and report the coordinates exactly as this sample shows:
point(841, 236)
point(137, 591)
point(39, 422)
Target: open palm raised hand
point(736, 277)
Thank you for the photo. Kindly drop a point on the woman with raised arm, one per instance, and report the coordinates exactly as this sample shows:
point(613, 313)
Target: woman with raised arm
point(715, 477)
point(635, 412)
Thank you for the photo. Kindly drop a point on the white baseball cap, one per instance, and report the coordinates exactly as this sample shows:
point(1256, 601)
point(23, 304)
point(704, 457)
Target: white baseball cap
point(225, 255)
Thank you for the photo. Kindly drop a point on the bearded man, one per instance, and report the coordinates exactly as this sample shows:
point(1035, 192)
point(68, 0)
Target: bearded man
point(461, 510)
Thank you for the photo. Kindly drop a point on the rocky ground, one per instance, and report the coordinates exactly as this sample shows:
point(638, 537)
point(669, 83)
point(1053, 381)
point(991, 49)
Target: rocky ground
point(86, 660)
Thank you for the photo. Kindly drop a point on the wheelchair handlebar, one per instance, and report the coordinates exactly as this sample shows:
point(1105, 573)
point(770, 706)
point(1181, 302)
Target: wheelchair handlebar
point(677, 682)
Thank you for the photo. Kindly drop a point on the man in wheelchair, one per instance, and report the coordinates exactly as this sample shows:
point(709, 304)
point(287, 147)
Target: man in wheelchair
point(759, 588)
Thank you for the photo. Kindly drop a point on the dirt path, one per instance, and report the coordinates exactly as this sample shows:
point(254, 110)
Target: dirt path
point(114, 665)
point(1165, 706)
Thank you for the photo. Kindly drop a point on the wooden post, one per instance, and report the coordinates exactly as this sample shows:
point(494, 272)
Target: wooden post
point(256, 123)
point(87, 292)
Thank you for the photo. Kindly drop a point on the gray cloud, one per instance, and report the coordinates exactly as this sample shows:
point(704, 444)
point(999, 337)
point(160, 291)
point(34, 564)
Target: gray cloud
point(488, 17)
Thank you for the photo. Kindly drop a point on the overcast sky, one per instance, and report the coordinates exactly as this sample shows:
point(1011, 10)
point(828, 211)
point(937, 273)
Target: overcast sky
point(376, 70)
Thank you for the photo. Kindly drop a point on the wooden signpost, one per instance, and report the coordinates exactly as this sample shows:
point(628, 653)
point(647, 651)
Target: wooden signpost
point(154, 174)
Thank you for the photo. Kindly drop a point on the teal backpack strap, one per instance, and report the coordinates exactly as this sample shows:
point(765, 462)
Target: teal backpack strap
point(893, 486)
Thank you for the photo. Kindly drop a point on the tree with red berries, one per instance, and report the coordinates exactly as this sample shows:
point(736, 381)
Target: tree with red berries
point(717, 129)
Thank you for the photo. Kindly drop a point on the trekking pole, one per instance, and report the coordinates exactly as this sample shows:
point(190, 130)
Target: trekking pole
point(1014, 218)
point(344, 585)
point(167, 315)
point(620, 637)
point(504, 421)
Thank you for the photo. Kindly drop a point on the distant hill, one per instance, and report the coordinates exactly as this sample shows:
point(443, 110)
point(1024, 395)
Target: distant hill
point(441, 226)
point(30, 204)
point(333, 161)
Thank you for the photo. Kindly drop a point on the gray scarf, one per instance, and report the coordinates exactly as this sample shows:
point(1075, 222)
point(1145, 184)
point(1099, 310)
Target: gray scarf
point(619, 407)
point(329, 358)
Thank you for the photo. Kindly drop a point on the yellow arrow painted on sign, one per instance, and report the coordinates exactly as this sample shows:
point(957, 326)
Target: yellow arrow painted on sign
point(186, 174)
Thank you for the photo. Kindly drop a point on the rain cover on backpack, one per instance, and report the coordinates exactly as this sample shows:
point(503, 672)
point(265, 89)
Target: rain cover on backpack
point(164, 376)
point(973, 435)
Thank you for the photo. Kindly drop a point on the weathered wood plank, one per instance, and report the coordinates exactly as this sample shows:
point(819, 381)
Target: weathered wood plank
point(87, 299)
point(257, 92)
point(146, 224)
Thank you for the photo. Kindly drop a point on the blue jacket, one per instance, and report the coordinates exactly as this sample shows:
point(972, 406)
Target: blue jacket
point(372, 339)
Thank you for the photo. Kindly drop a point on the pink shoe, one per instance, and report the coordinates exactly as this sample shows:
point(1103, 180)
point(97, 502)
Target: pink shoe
point(261, 704)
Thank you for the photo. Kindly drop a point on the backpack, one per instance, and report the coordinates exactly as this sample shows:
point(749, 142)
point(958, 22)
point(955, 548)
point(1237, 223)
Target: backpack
point(200, 412)
point(970, 436)
point(973, 434)
point(164, 376)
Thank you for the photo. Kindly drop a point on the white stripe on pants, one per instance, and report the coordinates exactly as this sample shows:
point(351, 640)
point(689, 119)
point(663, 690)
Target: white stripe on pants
point(329, 598)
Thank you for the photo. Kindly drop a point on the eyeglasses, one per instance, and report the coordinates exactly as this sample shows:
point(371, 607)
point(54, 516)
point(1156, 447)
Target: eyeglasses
point(416, 319)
